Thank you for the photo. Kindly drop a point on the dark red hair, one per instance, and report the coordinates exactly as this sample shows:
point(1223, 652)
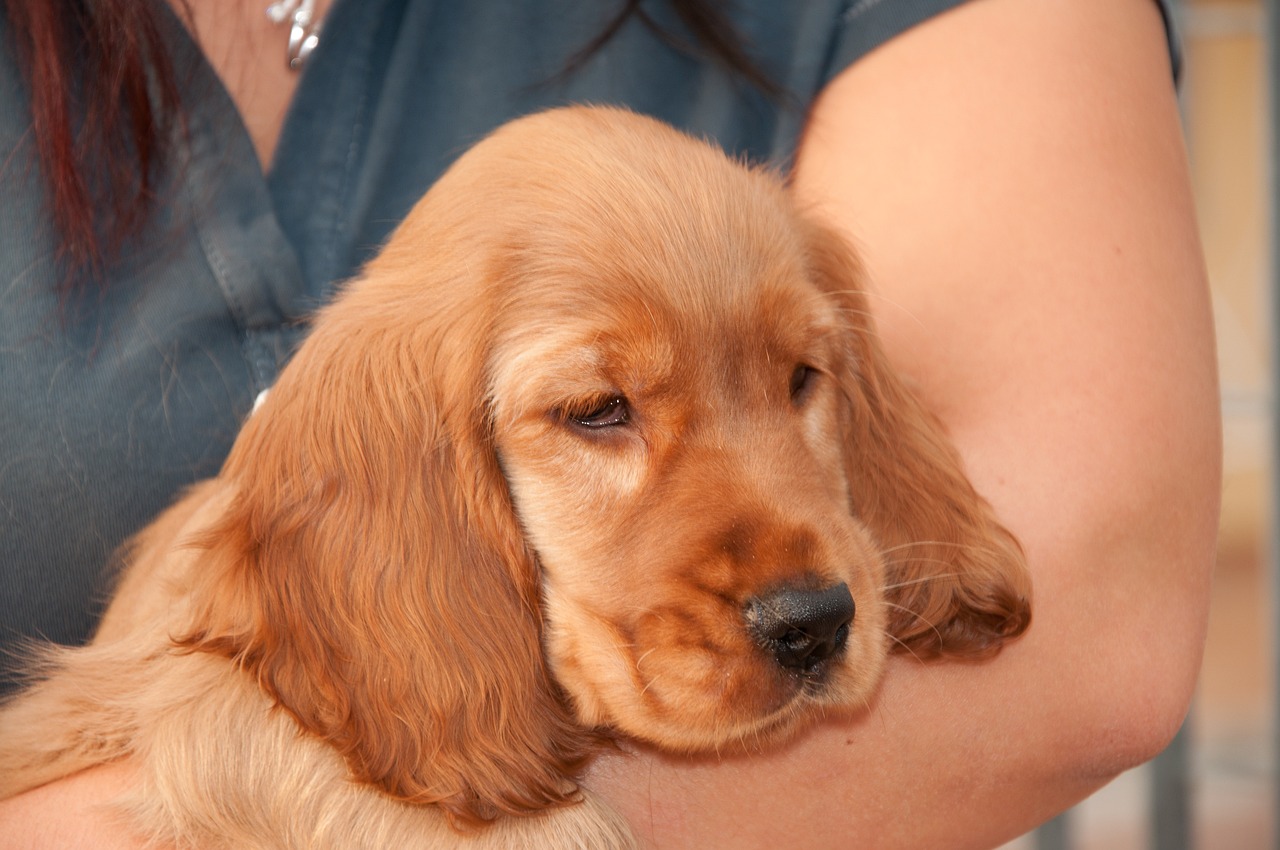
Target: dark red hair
point(104, 105)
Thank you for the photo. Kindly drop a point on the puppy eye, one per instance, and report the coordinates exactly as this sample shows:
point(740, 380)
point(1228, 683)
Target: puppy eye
point(612, 412)
point(802, 380)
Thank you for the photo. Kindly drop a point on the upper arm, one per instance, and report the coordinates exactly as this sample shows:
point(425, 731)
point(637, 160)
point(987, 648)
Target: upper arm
point(1015, 176)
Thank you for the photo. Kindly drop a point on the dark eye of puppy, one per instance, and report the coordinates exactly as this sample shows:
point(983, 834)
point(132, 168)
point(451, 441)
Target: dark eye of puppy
point(802, 381)
point(609, 413)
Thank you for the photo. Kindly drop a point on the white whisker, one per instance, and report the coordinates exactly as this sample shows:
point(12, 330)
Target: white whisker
point(905, 647)
point(951, 543)
point(932, 626)
point(921, 580)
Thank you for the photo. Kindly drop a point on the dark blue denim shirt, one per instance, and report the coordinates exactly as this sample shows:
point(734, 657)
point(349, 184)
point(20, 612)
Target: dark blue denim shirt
point(108, 409)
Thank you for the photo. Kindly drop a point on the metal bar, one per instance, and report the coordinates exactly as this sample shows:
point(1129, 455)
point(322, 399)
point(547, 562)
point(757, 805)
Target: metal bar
point(1056, 834)
point(1171, 794)
point(1272, 50)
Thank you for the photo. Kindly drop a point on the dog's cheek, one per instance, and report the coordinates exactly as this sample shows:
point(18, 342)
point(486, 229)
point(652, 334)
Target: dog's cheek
point(584, 657)
point(569, 497)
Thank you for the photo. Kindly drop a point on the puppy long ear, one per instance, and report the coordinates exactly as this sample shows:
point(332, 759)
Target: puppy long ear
point(370, 573)
point(956, 579)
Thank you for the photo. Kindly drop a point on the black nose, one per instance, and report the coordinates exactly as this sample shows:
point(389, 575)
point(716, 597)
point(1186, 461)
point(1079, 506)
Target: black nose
point(802, 628)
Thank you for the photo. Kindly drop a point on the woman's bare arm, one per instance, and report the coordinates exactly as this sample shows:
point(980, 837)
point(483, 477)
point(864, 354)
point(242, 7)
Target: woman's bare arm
point(1014, 174)
point(70, 814)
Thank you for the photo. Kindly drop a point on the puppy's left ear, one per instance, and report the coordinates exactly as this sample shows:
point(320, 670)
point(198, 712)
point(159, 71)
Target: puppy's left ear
point(956, 579)
point(369, 571)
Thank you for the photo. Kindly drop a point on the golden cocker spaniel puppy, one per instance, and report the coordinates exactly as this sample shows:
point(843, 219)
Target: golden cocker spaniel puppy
point(602, 444)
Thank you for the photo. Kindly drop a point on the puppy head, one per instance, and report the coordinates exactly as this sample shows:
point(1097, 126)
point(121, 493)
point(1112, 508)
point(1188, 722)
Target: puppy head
point(700, 433)
point(601, 439)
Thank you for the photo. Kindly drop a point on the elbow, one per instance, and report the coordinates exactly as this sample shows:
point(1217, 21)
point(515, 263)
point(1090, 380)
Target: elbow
point(1139, 627)
point(1138, 725)
point(1124, 717)
point(1144, 675)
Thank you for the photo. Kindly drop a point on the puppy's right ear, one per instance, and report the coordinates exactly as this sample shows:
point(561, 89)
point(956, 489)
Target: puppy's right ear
point(957, 582)
point(369, 571)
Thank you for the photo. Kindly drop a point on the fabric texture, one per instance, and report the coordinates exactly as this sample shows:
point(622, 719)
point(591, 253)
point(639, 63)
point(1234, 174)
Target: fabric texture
point(108, 409)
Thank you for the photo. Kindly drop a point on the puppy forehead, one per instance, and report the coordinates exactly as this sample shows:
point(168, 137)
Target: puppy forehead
point(690, 269)
point(590, 336)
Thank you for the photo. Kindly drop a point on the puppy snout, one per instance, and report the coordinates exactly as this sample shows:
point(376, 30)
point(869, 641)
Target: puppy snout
point(802, 628)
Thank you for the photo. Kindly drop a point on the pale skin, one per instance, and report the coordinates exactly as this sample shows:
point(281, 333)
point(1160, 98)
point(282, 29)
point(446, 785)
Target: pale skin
point(1014, 175)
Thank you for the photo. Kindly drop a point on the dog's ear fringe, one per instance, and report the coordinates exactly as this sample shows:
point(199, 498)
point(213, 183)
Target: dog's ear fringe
point(370, 574)
point(956, 579)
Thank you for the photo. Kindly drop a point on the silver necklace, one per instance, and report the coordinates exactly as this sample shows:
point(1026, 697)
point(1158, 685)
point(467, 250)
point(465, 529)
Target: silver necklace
point(304, 27)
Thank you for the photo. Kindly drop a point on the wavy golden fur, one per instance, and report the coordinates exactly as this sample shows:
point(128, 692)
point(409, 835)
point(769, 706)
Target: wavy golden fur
point(585, 452)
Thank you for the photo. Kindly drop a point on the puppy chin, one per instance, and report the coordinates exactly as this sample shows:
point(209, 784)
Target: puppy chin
point(684, 698)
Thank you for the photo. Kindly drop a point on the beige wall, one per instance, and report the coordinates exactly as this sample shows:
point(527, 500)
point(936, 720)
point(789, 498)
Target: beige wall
point(1224, 99)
